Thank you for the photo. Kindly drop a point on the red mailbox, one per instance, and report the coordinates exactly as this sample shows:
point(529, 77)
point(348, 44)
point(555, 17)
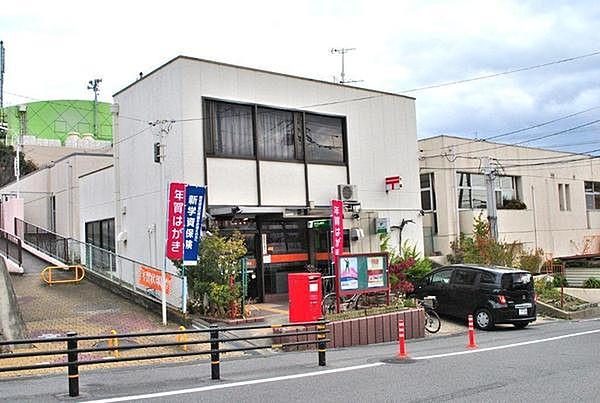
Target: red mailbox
point(305, 295)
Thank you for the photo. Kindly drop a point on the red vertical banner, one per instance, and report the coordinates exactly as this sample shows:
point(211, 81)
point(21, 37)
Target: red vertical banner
point(175, 221)
point(337, 228)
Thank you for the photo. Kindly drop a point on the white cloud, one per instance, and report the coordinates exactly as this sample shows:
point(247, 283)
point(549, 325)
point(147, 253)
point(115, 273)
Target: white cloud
point(54, 48)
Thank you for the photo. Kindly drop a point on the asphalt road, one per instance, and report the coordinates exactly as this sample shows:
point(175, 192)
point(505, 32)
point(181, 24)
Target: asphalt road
point(556, 361)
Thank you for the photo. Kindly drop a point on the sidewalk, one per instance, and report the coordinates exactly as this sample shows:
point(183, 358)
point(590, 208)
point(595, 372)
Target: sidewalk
point(85, 308)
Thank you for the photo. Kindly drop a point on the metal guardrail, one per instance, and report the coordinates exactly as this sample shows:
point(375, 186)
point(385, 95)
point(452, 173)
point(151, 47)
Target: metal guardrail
point(73, 361)
point(120, 270)
point(10, 246)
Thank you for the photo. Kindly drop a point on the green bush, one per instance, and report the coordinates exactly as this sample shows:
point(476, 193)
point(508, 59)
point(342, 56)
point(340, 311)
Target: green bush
point(482, 249)
point(591, 282)
point(544, 288)
point(559, 281)
point(531, 261)
point(210, 292)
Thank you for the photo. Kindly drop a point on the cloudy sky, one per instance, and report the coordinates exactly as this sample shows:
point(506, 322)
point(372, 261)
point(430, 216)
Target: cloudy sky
point(54, 48)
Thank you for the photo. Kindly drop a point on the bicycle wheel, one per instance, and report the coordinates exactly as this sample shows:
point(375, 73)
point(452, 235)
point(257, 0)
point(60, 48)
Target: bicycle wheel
point(432, 321)
point(328, 304)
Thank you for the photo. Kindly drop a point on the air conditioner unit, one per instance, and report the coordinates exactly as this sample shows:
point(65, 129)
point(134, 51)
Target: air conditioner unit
point(348, 193)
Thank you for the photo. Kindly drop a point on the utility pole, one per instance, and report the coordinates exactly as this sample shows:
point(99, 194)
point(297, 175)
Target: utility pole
point(94, 85)
point(22, 132)
point(456, 194)
point(164, 127)
point(3, 127)
point(343, 51)
point(490, 176)
point(2, 55)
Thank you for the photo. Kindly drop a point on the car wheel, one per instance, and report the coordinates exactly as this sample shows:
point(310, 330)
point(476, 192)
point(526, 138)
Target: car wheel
point(520, 325)
point(484, 319)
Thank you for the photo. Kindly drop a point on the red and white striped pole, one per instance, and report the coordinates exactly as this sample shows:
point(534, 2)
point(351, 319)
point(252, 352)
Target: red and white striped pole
point(401, 343)
point(471, 334)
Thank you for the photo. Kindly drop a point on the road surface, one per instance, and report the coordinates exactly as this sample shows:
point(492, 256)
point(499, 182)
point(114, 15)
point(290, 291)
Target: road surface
point(556, 361)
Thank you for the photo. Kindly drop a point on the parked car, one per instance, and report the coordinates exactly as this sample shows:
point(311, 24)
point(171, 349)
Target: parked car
point(491, 294)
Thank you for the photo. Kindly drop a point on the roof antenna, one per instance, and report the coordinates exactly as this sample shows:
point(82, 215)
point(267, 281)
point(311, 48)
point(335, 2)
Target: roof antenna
point(343, 51)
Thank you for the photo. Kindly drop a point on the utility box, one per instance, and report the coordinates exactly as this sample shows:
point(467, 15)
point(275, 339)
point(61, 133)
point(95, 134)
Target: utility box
point(305, 296)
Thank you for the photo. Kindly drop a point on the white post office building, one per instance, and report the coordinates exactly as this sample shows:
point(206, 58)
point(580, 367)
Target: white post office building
point(273, 151)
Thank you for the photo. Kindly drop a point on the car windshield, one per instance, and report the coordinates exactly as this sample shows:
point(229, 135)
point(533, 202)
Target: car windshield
point(517, 281)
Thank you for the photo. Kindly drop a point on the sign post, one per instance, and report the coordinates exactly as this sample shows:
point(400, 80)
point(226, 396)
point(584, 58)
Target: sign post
point(173, 236)
point(194, 210)
point(337, 240)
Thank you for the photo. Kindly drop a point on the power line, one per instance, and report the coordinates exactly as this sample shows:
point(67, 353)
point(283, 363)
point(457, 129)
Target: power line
point(583, 153)
point(503, 73)
point(533, 139)
point(518, 130)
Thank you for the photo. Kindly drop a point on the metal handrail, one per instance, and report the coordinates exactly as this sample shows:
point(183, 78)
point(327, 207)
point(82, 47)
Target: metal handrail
point(72, 351)
point(10, 238)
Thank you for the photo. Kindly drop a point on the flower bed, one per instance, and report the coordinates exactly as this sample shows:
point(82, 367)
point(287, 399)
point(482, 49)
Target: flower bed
point(359, 331)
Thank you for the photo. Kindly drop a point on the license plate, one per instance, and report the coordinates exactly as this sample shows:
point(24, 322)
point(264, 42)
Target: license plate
point(523, 312)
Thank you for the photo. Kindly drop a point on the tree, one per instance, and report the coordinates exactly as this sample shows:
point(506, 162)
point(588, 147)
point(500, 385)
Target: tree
point(7, 167)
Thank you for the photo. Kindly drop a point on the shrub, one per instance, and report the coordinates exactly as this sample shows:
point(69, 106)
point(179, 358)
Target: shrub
point(544, 288)
point(591, 282)
point(481, 248)
point(407, 268)
point(513, 204)
point(531, 261)
point(559, 281)
point(209, 282)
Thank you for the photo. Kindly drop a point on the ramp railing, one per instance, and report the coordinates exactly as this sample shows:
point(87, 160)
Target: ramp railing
point(141, 278)
point(10, 246)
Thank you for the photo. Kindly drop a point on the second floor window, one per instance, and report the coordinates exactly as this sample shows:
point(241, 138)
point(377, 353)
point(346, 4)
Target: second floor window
point(232, 130)
point(472, 193)
point(592, 195)
point(564, 197)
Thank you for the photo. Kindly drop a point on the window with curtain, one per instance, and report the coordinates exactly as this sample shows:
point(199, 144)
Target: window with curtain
point(284, 135)
point(279, 134)
point(229, 129)
point(324, 138)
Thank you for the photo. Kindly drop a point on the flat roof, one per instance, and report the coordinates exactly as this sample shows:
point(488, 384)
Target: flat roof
point(482, 141)
point(260, 71)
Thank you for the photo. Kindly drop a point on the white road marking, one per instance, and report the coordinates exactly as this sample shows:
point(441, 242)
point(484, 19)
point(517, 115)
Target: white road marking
point(524, 343)
point(330, 371)
point(236, 384)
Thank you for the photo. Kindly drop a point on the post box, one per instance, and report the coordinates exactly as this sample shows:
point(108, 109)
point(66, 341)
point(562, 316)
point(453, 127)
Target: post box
point(305, 295)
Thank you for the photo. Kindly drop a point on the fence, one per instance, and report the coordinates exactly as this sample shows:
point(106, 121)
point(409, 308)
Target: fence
point(138, 277)
point(73, 361)
point(10, 246)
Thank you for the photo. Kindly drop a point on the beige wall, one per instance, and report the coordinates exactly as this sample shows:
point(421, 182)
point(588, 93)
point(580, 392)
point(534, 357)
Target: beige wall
point(542, 224)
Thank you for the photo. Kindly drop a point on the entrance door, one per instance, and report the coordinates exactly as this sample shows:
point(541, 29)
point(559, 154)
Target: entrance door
point(284, 246)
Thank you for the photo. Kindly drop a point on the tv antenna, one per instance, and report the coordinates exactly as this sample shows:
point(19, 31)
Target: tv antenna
point(343, 51)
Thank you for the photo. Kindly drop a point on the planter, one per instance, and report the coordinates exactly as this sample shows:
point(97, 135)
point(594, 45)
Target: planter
point(549, 310)
point(230, 322)
point(360, 331)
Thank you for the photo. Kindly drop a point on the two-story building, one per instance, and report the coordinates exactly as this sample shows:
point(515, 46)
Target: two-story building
point(546, 199)
point(273, 151)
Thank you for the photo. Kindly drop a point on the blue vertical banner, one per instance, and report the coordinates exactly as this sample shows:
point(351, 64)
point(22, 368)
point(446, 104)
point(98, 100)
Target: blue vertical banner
point(194, 213)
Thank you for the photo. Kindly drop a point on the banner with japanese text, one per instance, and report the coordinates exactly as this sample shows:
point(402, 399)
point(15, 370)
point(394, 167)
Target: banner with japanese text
point(175, 221)
point(337, 227)
point(194, 209)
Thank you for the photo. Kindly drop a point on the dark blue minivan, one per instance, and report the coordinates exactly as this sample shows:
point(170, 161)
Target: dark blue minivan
point(492, 294)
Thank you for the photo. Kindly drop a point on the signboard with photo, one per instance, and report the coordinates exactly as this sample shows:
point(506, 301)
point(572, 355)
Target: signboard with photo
point(362, 273)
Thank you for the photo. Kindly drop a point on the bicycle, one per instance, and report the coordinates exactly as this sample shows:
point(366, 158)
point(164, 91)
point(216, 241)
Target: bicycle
point(432, 319)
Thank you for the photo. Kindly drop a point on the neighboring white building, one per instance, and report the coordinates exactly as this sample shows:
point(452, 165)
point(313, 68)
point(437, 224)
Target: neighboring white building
point(272, 149)
point(561, 192)
point(51, 195)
